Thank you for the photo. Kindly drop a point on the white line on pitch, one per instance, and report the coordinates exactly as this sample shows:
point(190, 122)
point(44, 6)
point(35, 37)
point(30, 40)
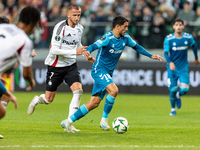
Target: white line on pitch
point(112, 146)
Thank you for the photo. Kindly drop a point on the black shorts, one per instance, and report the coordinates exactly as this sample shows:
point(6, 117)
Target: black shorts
point(56, 76)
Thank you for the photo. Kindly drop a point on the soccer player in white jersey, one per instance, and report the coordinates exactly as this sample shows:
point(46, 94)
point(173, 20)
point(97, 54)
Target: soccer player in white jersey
point(176, 48)
point(16, 46)
point(110, 47)
point(61, 61)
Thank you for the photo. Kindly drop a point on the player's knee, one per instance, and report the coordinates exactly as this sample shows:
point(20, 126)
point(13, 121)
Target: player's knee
point(114, 92)
point(184, 90)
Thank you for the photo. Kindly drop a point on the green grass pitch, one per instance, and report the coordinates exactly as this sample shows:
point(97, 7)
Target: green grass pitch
point(150, 126)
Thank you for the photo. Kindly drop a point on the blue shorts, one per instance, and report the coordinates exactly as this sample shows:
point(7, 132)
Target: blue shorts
point(175, 75)
point(2, 89)
point(101, 80)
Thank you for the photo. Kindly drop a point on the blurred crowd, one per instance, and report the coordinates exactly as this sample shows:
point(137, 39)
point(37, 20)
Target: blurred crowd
point(150, 20)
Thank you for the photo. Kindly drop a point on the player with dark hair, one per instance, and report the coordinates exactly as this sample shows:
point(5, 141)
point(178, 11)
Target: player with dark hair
point(16, 46)
point(175, 51)
point(3, 19)
point(61, 61)
point(110, 47)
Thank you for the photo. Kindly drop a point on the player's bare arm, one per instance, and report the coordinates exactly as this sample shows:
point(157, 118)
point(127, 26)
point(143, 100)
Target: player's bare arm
point(81, 50)
point(157, 57)
point(3, 80)
point(28, 75)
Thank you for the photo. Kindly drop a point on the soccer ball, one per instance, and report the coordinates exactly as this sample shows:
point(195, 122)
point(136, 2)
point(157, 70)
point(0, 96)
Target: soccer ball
point(120, 125)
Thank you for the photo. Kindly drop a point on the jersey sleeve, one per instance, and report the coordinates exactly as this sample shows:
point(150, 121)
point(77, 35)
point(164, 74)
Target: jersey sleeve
point(80, 36)
point(166, 45)
point(56, 41)
point(103, 41)
point(24, 53)
point(192, 41)
point(130, 42)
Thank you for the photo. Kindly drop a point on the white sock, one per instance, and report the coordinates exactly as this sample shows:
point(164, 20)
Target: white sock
point(42, 100)
point(4, 103)
point(75, 102)
point(177, 95)
point(173, 109)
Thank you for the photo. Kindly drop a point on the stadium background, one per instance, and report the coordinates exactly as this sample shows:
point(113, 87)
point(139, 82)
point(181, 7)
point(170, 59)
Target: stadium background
point(150, 22)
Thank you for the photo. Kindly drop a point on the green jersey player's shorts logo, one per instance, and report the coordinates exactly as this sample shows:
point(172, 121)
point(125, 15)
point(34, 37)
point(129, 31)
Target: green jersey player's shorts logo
point(57, 38)
point(103, 38)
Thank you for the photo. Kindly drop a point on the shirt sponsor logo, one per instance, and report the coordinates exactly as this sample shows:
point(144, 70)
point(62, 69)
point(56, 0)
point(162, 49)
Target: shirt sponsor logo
point(115, 52)
point(69, 43)
point(179, 48)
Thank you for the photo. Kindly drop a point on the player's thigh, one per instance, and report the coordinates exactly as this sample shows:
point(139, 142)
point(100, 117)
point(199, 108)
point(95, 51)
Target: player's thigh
point(172, 78)
point(54, 78)
point(112, 89)
point(184, 78)
point(72, 78)
point(2, 110)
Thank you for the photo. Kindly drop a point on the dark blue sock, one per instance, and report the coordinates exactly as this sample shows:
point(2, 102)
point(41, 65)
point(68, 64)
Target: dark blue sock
point(172, 96)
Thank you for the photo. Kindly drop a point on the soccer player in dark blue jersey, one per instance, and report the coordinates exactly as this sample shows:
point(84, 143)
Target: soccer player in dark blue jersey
point(110, 47)
point(176, 51)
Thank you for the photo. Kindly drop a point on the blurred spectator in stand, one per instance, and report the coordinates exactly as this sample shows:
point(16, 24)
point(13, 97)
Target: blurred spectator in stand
point(111, 15)
point(100, 18)
point(187, 15)
point(157, 30)
point(106, 7)
point(140, 4)
point(153, 5)
point(10, 9)
point(146, 19)
point(135, 30)
point(196, 24)
point(91, 31)
point(40, 34)
point(54, 14)
point(172, 3)
point(117, 7)
point(171, 15)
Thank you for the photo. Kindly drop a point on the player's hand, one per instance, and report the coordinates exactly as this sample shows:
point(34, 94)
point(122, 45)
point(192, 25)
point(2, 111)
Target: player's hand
point(33, 54)
point(172, 66)
point(156, 57)
point(91, 59)
point(81, 50)
point(31, 85)
point(14, 100)
point(88, 57)
point(196, 62)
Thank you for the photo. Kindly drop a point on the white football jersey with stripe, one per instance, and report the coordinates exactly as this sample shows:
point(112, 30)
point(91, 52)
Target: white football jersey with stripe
point(15, 46)
point(64, 42)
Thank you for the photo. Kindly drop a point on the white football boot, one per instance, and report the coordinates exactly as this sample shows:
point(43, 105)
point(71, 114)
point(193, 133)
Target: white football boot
point(1, 136)
point(32, 106)
point(67, 125)
point(104, 124)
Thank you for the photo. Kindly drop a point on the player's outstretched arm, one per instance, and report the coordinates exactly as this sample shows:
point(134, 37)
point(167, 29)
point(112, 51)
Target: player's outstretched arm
point(157, 57)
